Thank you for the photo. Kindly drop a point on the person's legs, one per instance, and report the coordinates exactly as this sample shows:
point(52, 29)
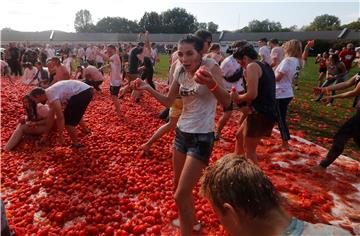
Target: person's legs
point(321, 78)
point(178, 161)
point(350, 129)
point(171, 125)
point(222, 122)
point(72, 133)
point(190, 174)
point(282, 107)
point(240, 136)
point(15, 138)
point(250, 145)
point(117, 105)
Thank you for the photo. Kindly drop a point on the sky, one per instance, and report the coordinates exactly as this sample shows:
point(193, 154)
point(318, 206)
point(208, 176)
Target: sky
point(40, 15)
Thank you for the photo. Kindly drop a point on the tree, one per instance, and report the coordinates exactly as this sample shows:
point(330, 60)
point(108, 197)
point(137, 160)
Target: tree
point(177, 20)
point(117, 25)
point(324, 22)
point(355, 25)
point(212, 27)
point(264, 26)
point(151, 21)
point(83, 21)
point(201, 26)
point(290, 29)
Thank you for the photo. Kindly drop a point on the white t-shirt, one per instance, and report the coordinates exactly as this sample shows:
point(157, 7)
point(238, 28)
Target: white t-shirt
point(115, 74)
point(50, 52)
point(90, 53)
point(28, 75)
point(80, 53)
point(63, 90)
point(228, 67)
point(289, 67)
point(277, 53)
point(264, 51)
point(199, 104)
point(94, 73)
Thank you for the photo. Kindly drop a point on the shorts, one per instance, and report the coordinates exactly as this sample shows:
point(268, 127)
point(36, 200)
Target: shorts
point(114, 90)
point(198, 146)
point(176, 108)
point(258, 125)
point(322, 70)
point(132, 77)
point(76, 107)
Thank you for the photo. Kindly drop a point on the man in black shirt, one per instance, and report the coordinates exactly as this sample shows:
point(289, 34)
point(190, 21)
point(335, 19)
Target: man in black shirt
point(14, 60)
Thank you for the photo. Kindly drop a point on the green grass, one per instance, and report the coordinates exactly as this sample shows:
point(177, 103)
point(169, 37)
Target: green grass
point(314, 119)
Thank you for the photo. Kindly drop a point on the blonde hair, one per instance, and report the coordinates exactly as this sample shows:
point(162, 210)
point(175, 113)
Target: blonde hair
point(293, 48)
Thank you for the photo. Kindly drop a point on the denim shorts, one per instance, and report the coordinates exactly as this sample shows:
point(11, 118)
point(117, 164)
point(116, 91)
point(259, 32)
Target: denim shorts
point(195, 145)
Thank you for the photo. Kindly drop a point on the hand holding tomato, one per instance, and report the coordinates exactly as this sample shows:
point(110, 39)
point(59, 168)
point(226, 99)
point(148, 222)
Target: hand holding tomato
point(318, 90)
point(139, 84)
point(203, 76)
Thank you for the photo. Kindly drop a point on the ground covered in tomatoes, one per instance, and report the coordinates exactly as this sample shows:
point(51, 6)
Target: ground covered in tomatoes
point(110, 187)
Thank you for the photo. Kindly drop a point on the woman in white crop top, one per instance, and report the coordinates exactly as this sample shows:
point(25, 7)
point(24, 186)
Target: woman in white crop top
point(197, 81)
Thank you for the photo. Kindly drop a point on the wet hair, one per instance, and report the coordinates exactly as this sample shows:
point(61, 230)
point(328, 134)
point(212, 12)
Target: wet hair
point(245, 50)
point(30, 109)
point(204, 35)
point(274, 41)
point(37, 92)
point(240, 183)
point(197, 42)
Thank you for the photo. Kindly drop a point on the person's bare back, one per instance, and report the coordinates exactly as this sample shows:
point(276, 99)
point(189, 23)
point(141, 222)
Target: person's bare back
point(61, 74)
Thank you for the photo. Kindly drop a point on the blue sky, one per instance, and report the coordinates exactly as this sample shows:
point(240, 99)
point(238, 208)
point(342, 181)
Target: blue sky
point(38, 15)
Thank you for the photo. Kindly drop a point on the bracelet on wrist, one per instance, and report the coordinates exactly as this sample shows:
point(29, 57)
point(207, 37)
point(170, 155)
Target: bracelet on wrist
point(214, 88)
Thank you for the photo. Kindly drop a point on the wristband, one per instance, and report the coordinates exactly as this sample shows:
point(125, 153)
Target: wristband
point(213, 88)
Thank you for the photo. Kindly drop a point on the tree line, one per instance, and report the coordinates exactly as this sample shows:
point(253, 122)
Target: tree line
point(179, 21)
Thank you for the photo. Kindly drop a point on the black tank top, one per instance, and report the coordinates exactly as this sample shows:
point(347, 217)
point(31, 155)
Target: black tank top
point(265, 101)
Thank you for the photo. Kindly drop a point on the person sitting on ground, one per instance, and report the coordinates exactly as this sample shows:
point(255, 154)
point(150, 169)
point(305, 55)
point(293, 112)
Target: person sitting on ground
point(34, 123)
point(41, 76)
point(58, 71)
point(248, 204)
point(351, 128)
point(75, 96)
point(29, 73)
point(90, 75)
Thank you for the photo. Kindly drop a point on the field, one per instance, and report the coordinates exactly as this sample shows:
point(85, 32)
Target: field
point(111, 188)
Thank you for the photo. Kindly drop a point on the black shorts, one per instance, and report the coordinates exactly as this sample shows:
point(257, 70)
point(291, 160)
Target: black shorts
point(196, 145)
point(114, 90)
point(258, 125)
point(322, 70)
point(76, 107)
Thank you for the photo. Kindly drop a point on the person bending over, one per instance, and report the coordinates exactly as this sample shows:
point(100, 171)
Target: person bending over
point(75, 96)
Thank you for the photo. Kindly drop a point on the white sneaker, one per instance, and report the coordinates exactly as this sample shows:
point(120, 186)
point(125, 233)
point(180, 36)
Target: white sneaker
point(328, 105)
point(196, 227)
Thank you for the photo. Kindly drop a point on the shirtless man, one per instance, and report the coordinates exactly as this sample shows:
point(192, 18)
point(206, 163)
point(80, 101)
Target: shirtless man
point(59, 71)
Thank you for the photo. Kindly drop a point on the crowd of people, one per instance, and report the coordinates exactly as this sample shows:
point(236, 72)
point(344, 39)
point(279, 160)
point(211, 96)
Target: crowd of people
point(259, 84)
